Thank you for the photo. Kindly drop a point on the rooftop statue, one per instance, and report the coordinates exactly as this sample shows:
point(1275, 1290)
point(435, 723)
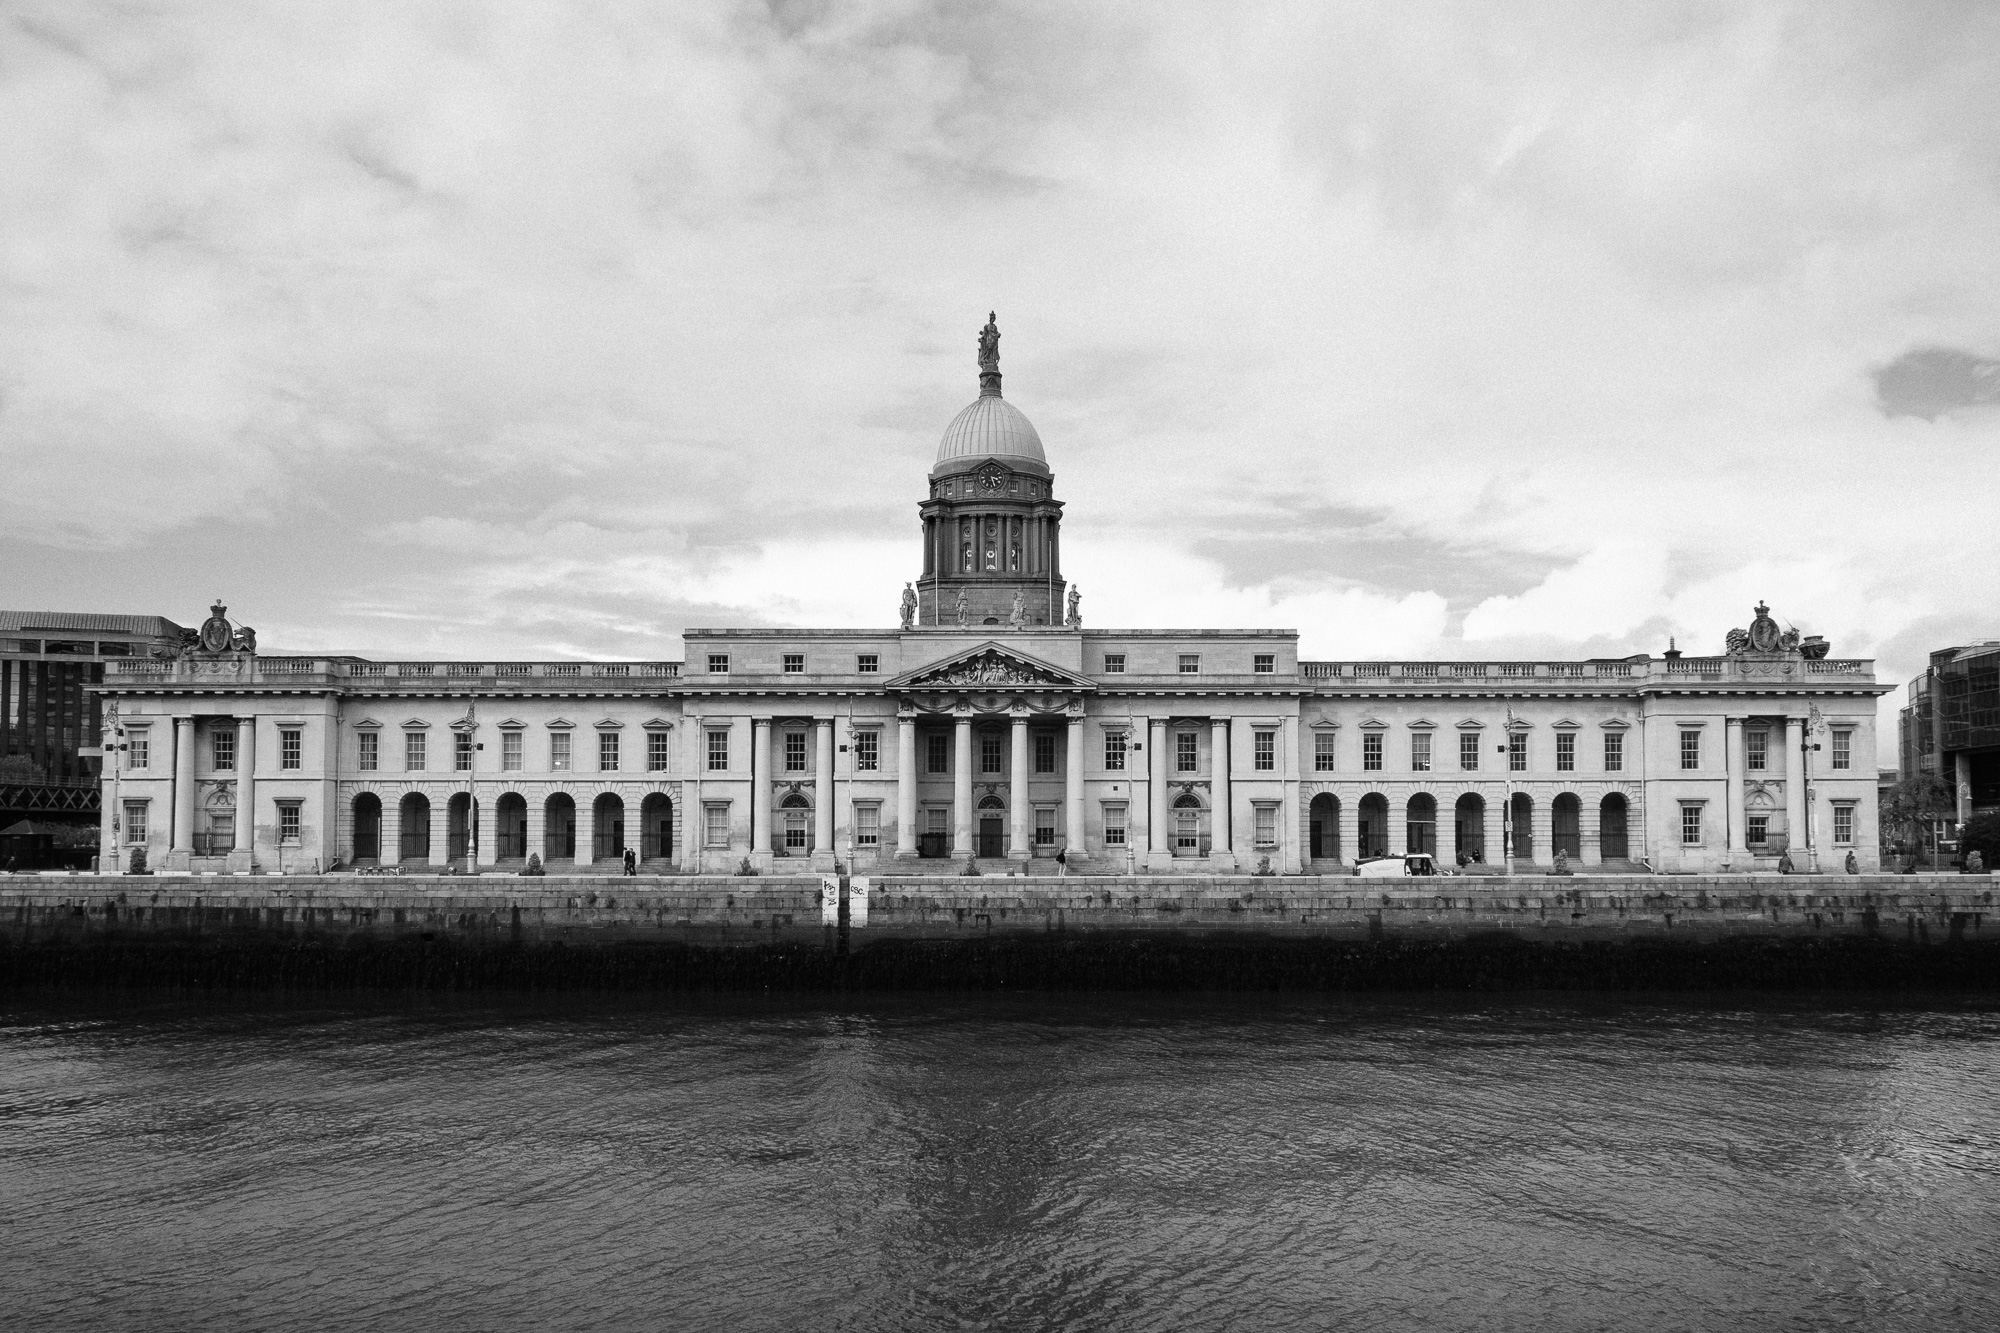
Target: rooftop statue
point(1075, 618)
point(989, 344)
point(909, 607)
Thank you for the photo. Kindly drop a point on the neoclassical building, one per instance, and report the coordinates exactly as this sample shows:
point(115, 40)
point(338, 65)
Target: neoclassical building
point(993, 724)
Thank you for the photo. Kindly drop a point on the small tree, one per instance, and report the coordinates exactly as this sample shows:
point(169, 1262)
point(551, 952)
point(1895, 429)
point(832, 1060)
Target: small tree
point(1981, 834)
point(534, 866)
point(138, 865)
point(1914, 808)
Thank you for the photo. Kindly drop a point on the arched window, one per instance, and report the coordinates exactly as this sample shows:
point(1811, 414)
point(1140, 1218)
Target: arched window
point(510, 827)
point(1421, 824)
point(559, 828)
point(1374, 825)
point(1522, 826)
point(1323, 819)
point(1566, 826)
point(656, 827)
point(367, 827)
point(1611, 829)
point(608, 828)
point(1469, 820)
point(416, 837)
point(1190, 826)
point(795, 834)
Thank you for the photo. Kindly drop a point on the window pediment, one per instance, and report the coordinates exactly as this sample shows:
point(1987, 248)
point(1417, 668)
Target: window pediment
point(608, 724)
point(1423, 724)
point(1374, 724)
point(513, 724)
point(416, 724)
point(562, 724)
point(1565, 725)
point(1471, 724)
point(1615, 724)
point(658, 724)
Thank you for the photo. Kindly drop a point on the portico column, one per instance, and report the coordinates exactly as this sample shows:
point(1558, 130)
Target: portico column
point(1073, 844)
point(823, 786)
point(1019, 848)
point(246, 788)
point(1157, 831)
point(961, 786)
point(1219, 821)
point(760, 786)
point(1735, 758)
point(486, 836)
point(1795, 789)
point(184, 785)
point(389, 850)
point(906, 786)
point(537, 829)
point(441, 828)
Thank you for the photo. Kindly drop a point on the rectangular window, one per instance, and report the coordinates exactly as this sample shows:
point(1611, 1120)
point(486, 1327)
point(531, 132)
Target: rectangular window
point(1517, 752)
point(718, 751)
point(138, 751)
point(1565, 752)
point(795, 752)
point(794, 663)
point(1614, 752)
point(1264, 750)
point(414, 754)
point(1756, 749)
point(1045, 752)
point(559, 751)
point(510, 751)
point(1468, 751)
point(461, 752)
point(289, 747)
point(1187, 752)
point(867, 751)
point(1371, 751)
point(1264, 664)
point(607, 752)
point(715, 819)
point(937, 819)
point(867, 826)
point(135, 821)
point(868, 664)
point(1114, 823)
point(1843, 823)
point(1757, 830)
point(1045, 826)
point(1843, 750)
point(1190, 664)
point(1114, 751)
point(718, 665)
point(1690, 749)
point(371, 750)
point(1267, 825)
point(1323, 751)
point(1691, 824)
point(938, 749)
point(989, 752)
point(1114, 664)
point(222, 748)
point(656, 751)
point(288, 821)
point(1420, 752)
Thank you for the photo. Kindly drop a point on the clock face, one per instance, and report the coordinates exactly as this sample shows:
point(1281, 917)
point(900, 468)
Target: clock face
point(991, 479)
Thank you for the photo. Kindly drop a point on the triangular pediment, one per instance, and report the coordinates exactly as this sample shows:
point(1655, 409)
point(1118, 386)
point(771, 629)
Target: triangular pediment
point(990, 665)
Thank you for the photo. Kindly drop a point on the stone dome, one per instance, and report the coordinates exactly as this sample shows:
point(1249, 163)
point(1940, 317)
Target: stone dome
point(990, 427)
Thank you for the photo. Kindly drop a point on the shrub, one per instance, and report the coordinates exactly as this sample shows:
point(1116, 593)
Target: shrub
point(534, 866)
point(138, 864)
point(971, 866)
point(1981, 834)
point(746, 868)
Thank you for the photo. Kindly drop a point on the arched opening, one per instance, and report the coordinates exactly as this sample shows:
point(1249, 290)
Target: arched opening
point(1190, 825)
point(458, 826)
point(367, 827)
point(559, 828)
point(1469, 829)
point(1323, 824)
point(416, 812)
point(510, 827)
point(1611, 838)
point(1374, 825)
point(1422, 825)
point(1566, 826)
point(794, 834)
point(656, 827)
point(992, 826)
point(1522, 830)
point(607, 828)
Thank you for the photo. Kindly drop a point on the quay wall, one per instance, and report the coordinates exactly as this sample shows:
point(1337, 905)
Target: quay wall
point(1234, 932)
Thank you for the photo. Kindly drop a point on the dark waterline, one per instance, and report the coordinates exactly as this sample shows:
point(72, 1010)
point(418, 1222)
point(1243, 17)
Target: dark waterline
point(1051, 1161)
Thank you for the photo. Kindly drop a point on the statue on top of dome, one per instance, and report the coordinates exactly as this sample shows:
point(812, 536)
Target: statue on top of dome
point(989, 344)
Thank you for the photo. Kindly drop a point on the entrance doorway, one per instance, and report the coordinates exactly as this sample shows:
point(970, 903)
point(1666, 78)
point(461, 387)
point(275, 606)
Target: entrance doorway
point(989, 835)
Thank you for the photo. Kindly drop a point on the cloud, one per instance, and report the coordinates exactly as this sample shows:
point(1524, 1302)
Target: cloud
point(1432, 331)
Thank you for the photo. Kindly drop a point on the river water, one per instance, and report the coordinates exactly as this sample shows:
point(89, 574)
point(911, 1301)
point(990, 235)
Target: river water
point(1081, 1162)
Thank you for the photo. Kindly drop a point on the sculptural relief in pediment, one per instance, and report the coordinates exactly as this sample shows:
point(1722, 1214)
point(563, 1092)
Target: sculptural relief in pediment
point(991, 667)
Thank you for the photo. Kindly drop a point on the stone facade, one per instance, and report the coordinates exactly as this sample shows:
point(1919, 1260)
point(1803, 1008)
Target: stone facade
point(993, 724)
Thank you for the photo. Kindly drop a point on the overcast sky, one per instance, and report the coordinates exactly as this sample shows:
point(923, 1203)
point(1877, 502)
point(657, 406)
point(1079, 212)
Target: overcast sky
point(1450, 331)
